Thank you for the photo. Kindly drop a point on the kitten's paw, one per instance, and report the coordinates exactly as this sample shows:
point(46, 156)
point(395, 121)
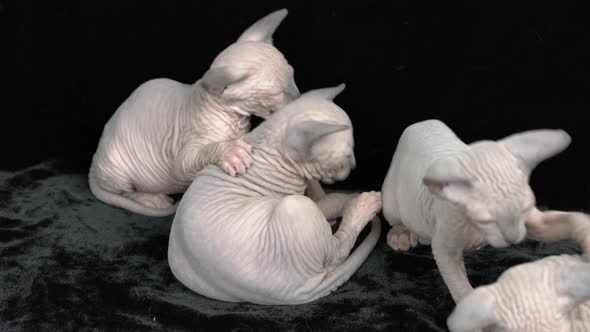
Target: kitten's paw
point(154, 201)
point(363, 208)
point(236, 157)
point(400, 238)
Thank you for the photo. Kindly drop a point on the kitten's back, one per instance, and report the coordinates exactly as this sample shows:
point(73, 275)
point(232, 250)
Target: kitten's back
point(404, 195)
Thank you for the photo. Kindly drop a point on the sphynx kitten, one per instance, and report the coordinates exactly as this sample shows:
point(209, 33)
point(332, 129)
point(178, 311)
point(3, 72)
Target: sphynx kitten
point(550, 294)
point(458, 197)
point(256, 237)
point(547, 295)
point(166, 131)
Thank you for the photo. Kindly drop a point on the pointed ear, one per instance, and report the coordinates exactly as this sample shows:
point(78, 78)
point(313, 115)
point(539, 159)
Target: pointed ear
point(575, 282)
point(302, 136)
point(446, 179)
point(263, 29)
point(475, 311)
point(533, 146)
point(325, 93)
point(217, 79)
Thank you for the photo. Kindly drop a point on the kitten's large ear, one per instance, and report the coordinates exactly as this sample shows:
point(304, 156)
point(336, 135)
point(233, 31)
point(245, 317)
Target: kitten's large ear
point(326, 93)
point(447, 179)
point(302, 136)
point(263, 29)
point(533, 146)
point(475, 311)
point(217, 79)
point(575, 282)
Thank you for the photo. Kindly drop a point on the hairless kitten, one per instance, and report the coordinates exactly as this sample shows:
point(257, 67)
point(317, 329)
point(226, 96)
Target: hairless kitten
point(458, 197)
point(550, 294)
point(256, 237)
point(166, 131)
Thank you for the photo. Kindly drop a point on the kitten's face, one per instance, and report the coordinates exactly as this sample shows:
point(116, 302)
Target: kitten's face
point(315, 135)
point(335, 156)
point(269, 84)
point(500, 198)
point(251, 77)
point(489, 181)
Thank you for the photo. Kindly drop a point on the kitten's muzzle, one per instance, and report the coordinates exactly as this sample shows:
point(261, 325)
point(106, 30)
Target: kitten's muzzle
point(515, 235)
point(515, 239)
point(506, 241)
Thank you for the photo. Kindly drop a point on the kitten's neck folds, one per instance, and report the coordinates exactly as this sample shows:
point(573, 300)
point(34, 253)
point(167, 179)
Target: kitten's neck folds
point(213, 120)
point(277, 173)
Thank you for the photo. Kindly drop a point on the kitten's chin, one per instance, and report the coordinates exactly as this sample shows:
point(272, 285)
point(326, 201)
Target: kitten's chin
point(497, 243)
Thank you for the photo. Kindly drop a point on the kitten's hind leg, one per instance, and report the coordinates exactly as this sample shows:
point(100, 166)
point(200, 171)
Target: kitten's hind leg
point(322, 257)
point(333, 205)
point(355, 217)
point(157, 205)
point(150, 200)
point(401, 238)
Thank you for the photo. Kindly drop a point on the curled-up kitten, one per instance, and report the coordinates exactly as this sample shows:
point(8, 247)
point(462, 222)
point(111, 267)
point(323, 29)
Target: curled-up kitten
point(457, 197)
point(166, 131)
point(256, 237)
point(547, 295)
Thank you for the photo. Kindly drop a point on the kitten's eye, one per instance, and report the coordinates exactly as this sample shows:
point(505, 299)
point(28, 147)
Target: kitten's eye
point(486, 222)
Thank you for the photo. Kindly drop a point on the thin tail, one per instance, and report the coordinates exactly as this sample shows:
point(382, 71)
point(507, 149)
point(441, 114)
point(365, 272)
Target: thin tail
point(343, 272)
point(126, 203)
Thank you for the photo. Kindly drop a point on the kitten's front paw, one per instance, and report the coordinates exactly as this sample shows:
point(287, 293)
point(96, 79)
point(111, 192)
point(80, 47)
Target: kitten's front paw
point(400, 238)
point(236, 157)
point(363, 208)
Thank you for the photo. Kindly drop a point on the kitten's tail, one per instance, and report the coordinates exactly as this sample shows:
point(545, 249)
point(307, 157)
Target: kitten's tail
point(343, 272)
point(126, 203)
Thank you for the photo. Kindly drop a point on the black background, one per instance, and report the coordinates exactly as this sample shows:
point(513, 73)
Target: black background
point(486, 68)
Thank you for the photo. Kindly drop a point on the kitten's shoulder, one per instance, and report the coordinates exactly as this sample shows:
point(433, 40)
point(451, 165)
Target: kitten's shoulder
point(161, 83)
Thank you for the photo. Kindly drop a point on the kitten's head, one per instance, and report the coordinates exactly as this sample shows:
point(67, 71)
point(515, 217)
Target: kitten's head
point(489, 181)
point(314, 134)
point(251, 76)
point(564, 278)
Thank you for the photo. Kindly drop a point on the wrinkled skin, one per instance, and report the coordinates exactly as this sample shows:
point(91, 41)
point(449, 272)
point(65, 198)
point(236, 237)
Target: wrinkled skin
point(166, 131)
point(550, 294)
point(256, 237)
point(458, 197)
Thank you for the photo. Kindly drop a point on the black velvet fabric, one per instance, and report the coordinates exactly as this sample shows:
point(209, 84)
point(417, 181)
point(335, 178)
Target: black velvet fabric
point(70, 262)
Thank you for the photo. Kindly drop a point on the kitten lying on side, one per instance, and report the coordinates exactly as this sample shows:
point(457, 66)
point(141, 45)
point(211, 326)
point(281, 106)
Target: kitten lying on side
point(255, 237)
point(457, 197)
point(166, 131)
